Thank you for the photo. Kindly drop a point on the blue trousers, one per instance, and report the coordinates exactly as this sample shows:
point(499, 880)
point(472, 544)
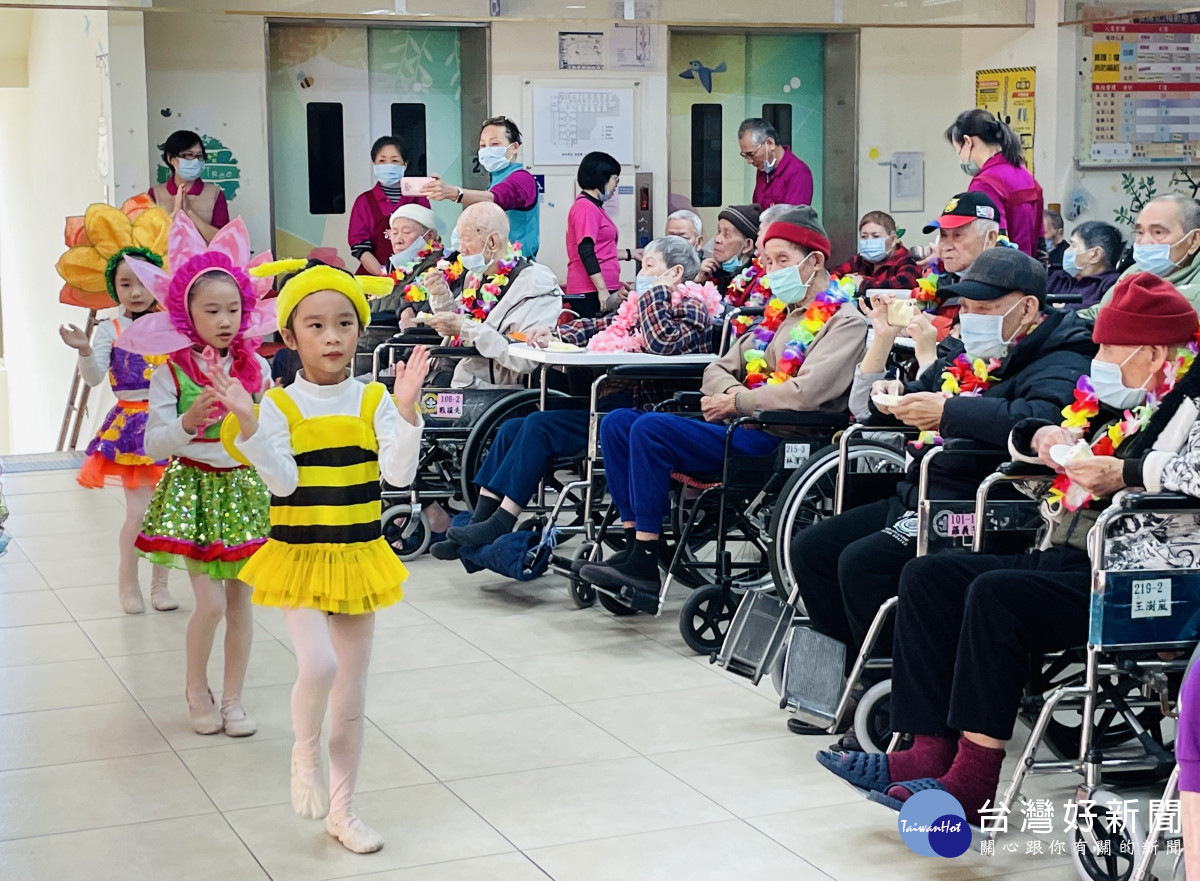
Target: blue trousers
point(524, 448)
point(642, 449)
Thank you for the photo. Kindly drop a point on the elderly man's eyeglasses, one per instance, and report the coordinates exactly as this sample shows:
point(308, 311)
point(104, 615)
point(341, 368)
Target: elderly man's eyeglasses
point(750, 154)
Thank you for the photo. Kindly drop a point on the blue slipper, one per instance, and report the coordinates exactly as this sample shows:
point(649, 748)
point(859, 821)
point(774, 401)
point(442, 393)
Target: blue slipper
point(886, 800)
point(866, 772)
point(921, 784)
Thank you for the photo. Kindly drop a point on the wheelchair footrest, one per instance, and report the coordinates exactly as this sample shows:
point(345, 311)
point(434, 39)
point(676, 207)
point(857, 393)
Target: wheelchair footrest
point(814, 676)
point(756, 634)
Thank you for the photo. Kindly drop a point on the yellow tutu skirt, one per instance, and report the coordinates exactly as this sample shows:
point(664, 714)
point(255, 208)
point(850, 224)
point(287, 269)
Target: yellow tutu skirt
point(346, 579)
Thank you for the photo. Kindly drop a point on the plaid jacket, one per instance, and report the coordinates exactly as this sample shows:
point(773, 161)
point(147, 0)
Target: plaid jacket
point(666, 329)
point(898, 272)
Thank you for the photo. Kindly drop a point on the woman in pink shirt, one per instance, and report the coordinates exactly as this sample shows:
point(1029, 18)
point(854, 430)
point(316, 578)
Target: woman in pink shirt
point(370, 217)
point(593, 272)
point(991, 153)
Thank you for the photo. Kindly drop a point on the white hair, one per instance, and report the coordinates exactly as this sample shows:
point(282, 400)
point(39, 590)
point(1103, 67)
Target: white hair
point(691, 217)
point(983, 226)
point(772, 214)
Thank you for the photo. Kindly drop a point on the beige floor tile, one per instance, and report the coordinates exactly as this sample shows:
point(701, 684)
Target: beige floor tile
point(419, 824)
point(251, 773)
point(441, 692)
point(688, 719)
point(100, 570)
point(162, 674)
point(44, 644)
point(151, 632)
point(402, 614)
point(13, 554)
point(82, 546)
point(102, 601)
point(712, 852)
point(610, 672)
point(88, 795)
point(58, 685)
point(60, 524)
point(78, 499)
point(420, 646)
point(199, 848)
point(26, 482)
point(581, 802)
point(497, 743)
point(31, 607)
point(502, 867)
point(269, 706)
point(462, 597)
point(78, 734)
point(541, 634)
point(19, 577)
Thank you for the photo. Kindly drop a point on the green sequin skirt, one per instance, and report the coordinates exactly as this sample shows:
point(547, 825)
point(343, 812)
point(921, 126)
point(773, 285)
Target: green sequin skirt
point(206, 522)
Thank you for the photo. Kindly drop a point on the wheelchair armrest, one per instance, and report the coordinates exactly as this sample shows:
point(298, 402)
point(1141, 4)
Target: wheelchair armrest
point(799, 419)
point(453, 352)
point(1056, 299)
point(1159, 502)
point(690, 400)
point(417, 336)
point(1025, 471)
point(686, 370)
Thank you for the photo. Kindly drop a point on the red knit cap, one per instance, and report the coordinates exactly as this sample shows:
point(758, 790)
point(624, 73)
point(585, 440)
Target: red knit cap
point(1145, 310)
point(808, 235)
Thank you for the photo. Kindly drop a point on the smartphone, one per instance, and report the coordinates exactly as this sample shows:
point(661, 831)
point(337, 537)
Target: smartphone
point(412, 186)
point(900, 312)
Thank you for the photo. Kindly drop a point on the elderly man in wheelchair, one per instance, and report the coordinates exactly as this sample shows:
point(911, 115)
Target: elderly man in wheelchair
point(967, 624)
point(801, 357)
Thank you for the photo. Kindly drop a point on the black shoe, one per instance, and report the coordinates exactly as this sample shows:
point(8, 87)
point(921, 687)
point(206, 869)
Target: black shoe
point(613, 578)
point(640, 600)
point(445, 550)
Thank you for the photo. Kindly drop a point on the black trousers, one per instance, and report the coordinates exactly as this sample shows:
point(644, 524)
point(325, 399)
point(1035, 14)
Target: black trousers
point(965, 628)
point(848, 566)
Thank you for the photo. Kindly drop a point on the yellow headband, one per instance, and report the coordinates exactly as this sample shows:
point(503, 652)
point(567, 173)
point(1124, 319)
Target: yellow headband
point(323, 278)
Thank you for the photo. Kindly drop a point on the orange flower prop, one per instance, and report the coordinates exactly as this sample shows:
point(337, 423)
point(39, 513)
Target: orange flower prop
point(96, 241)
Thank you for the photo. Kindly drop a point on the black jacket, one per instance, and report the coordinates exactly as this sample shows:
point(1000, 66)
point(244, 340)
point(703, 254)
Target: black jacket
point(1035, 381)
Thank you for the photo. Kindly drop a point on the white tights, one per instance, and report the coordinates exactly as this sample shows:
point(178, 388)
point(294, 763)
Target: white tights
point(333, 653)
point(137, 500)
point(229, 599)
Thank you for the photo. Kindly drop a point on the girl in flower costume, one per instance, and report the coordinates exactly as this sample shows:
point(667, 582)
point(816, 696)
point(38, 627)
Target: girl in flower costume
point(98, 263)
point(320, 445)
point(209, 512)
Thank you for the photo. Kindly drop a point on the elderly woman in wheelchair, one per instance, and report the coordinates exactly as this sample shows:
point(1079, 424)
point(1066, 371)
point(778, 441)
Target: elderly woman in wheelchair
point(967, 623)
point(801, 357)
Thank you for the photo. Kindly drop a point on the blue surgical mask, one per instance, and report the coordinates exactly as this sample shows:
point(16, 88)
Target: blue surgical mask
point(388, 174)
point(473, 262)
point(733, 264)
point(1156, 259)
point(872, 250)
point(786, 285)
point(1070, 267)
point(493, 158)
point(1110, 387)
point(983, 335)
point(399, 260)
point(454, 239)
point(191, 169)
point(643, 283)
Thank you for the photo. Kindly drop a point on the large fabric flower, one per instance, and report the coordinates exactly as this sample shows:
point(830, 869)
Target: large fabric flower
point(97, 241)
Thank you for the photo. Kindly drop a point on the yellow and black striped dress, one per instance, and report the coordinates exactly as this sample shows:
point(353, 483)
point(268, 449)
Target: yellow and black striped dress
point(325, 550)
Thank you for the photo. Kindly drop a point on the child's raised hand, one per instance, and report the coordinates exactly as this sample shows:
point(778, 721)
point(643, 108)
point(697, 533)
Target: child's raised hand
point(202, 412)
point(75, 338)
point(409, 379)
point(233, 395)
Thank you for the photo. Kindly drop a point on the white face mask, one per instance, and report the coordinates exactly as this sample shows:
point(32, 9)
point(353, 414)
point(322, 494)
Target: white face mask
point(493, 158)
point(1110, 386)
point(409, 254)
point(983, 335)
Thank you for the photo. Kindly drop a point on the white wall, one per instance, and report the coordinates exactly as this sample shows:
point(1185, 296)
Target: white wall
point(49, 145)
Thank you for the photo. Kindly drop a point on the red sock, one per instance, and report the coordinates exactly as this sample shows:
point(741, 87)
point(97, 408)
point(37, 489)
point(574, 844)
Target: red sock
point(972, 778)
point(929, 756)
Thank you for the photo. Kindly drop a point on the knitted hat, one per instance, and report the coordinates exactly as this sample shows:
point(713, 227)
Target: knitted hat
point(416, 213)
point(743, 217)
point(801, 228)
point(1145, 310)
point(312, 276)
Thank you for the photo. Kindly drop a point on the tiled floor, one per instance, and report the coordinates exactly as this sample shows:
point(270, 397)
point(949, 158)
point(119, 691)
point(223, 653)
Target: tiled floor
point(511, 738)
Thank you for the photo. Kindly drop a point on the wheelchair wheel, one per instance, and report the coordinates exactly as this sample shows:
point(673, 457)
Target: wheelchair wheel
point(583, 595)
point(809, 496)
point(518, 404)
point(873, 718)
point(409, 538)
point(705, 617)
point(1112, 840)
point(744, 547)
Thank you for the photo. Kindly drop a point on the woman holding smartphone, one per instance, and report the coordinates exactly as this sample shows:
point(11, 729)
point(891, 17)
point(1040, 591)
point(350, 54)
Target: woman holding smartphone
point(369, 229)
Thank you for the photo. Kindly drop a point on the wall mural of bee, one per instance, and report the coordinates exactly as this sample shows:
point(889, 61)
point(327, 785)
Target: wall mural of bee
point(304, 79)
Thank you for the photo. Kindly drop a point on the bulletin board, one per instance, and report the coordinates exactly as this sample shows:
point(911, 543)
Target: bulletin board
point(1008, 93)
point(1140, 101)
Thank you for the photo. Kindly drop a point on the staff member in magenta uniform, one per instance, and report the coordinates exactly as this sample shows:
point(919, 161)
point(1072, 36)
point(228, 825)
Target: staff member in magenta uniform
point(370, 218)
point(991, 153)
point(184, 191)
point(592, 268)
point(783, 178)
point(512, 187)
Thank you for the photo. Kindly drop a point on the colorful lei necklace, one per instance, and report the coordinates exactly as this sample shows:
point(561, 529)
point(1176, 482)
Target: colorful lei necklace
point(966, 377)
point(925, 292)
point(1078, 416)
point(479, 299)
point(415, 292)
point(746, 289)
point(816, 316)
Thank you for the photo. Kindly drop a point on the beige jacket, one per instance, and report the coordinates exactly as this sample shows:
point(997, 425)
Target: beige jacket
point(823, 380)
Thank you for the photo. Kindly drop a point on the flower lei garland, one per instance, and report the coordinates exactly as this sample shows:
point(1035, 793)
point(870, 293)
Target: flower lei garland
point(747, 288)
point(415, 292)
point(1078, 415)
point(816, 316)
point(478, 299)
point(925, 292)
point(623, 335)
point(966, 377)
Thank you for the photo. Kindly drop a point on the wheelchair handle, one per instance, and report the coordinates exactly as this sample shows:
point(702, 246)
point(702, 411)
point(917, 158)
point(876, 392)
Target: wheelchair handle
point(799, 419)
point(657, 371)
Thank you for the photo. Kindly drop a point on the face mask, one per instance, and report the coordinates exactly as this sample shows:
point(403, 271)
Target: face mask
point(733, 264)
point(983, 335)
point(1156, 259)
point(493, 158)
point(769, 165)
point(786, 285)
point(1070, 267)
point(407, 255)
point(1110, 387)
point(454, 239)
point(190, 169)
point(872, 250)
point(643, 283)
point(605, 195)
point(388, 174)
point(473, 262)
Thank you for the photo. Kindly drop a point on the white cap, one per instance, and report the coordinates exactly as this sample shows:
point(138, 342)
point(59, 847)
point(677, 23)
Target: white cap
point(416, 213)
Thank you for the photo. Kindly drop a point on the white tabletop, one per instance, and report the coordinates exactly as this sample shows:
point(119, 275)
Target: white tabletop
point(586, 358)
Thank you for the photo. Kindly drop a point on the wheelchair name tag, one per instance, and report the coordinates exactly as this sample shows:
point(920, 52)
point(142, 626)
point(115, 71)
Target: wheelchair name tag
point(1151, 598)
point(445, 405)
point(795, 455)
